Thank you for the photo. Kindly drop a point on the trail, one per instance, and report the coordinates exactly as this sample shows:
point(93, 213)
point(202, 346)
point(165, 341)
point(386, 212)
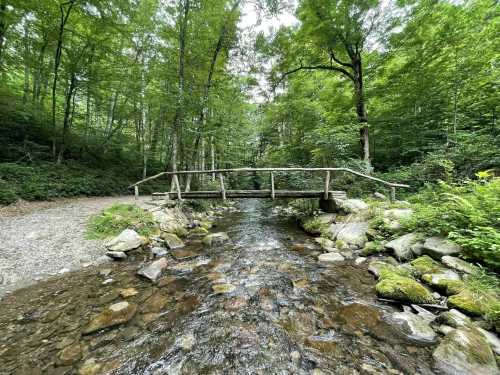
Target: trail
point(38, 240)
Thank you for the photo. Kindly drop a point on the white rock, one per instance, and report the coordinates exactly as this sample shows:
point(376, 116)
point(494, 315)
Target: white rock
point(415, 327)
point(153, 270)
point(118, 255)
point(350, 233)
point(458, 264)
point(331, 257)
point(359, 260)
point(353, 205)
point(127, 240)
point(402, 246)
point(437, 247)
point(492, 339)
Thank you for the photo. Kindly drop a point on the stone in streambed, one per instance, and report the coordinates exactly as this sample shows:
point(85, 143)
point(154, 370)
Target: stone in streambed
point(114, 315)
point(128, 292)
point(402, 246)
point(69, 355)
point(492, 339)
point(377, 266)
point(198, 231)
point(472, 303)
point(215, 239)
point(116, 255)
point(458, 264)
point(437, 247)
point(223, 288)
point(153, 270)
point(171, 240)
point(444, 280)
point(454, 318)
point(352, 205)
point(325, 243)
point(403, 288)
point(332, 257)
point(353, 234)
point(127, 240)
point(415, 327)
point(158, 251)
point(465, 351)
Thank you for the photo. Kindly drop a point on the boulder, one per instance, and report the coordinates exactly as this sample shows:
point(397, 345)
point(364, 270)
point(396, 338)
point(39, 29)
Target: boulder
point(398, 213)
point(373, 247)
point(465, 351)
point(443, 280)
point(127, 240)
point(198, 231)
point(158, 251)
point(415, 327)
point(402, 246)
point(471, 303)
point(332, 257)
point(454, 318)
point(69, 355)
point(325, 243)
point(353, 234)
point(437, 247)
point(116, 255)
point(492, 339)
point(153, 270)
point(458, 264)
point(114, 315)
point(359, 260)
point(380, 196)
point(171, 240)
point(215, 238)
point(403, 288)
point(326, 218)
point(171, 220)
point(377, 266)
point(426, 265)
point(424, 314)
point(352, 205)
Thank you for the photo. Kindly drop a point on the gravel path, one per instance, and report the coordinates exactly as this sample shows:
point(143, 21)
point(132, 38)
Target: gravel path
point(41, 241)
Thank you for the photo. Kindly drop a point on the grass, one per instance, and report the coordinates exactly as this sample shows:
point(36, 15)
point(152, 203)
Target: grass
point(118, 217)
point(483, 286)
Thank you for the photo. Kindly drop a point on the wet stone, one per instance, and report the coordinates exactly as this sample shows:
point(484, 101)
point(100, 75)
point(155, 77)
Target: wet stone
point(223, 288)
point(128, 292)
point(115, 314)
point(184, 253)
point(153, 270)
point(69, 355)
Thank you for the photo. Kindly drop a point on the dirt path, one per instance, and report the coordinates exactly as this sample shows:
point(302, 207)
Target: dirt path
point(41, 239)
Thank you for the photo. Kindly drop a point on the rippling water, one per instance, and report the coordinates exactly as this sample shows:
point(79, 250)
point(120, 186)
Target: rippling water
point(259, 305)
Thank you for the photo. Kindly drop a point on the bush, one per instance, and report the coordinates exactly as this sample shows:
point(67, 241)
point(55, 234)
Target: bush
point(468, 214)
point(113, 220)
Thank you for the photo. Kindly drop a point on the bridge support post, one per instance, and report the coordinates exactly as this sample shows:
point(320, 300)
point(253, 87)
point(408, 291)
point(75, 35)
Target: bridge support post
point(328, 205)
point(136, 192)
point(393, 194)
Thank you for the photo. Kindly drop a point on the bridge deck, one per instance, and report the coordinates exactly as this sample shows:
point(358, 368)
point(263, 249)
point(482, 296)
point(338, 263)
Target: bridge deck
point(251, 194)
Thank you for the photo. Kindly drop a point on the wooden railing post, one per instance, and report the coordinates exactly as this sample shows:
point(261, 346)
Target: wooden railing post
point(393, 194)
point(272, 186)
point(222, 188)
point(177, 186)
point(136, 192)
point(327, 185)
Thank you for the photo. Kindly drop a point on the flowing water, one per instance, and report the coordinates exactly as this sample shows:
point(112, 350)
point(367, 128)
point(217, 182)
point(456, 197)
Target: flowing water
point(261, 304)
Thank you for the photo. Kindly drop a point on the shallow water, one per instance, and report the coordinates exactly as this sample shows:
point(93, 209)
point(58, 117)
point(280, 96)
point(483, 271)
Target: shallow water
point(259, 305)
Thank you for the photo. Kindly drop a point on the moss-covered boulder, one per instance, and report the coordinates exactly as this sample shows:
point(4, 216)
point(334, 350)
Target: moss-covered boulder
point(473, 303)
point(325, 243)
point(465, 351)
point(402, 288)
point(442, 279)
point(426, 265)
point(377, 266)
point(198, 231)
point(373, 247)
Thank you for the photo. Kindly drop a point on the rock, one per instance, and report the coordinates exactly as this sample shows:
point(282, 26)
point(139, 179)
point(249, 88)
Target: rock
point(353, 205)
point(223, 288)
point(377, 266)
point(116, 255)
point(325, 243)
point(108, 281)
point(443, 279)
point(359, 260)
point(416, 248)
point(332, 257)
point(180, 254)
point(69, 355)
point(415, 327)
point(90, 367)
point(348, 254)
point(187, 342)
point(153, 270)
point(215, 239)
point(425, 314)
point(380, 196)
point(171, 220)
point(444, 329)
point(198, 231)
point(158, 251)
point(326, 218)
point(403, 288)
point(471, 303)
point(373, 247)
point(437, 247)
point(402, 246)
point(426, 265)
point(295, 356)
point(105, 272)
point(398, 213)
point(155, 303)
point(171, 240)
point(128, 292)
point(458, 264)
point(350, 233)
point(206, 224)
point(114, 315)
point(127, 240)
point(492, 339)
point(465, 352)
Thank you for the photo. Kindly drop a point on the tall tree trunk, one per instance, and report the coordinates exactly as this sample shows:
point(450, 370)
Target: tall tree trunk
point(212, 156)
point(67, 111)
point(26, 57)
point(361, 113)
point(57, 62)
point(184, 8)
point(3, 27)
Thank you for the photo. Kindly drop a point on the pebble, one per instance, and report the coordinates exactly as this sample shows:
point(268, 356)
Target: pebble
point(107, 281)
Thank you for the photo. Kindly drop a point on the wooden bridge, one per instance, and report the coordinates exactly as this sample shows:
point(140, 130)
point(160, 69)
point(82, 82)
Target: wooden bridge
point(325, 194)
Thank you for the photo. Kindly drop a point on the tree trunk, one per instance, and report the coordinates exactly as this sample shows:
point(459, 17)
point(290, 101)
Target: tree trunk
point(26, 64)
point(361, 113)
point(3, 27)
point(67, 111)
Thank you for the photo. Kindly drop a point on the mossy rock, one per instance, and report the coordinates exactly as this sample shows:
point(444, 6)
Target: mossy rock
point(473, 303)
point(206, 224)
point(373, 247)
point(341, 245)
point(403, 288)
point(425, 264)
point(198, 231)
point(314, 226)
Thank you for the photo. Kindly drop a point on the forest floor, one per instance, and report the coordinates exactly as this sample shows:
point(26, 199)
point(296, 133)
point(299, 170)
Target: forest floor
point(42, 239)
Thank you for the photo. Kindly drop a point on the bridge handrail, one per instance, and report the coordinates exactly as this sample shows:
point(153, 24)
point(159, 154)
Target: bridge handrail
point(284, 169)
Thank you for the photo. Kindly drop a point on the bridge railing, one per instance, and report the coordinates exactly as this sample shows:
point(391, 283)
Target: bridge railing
point(272, 193)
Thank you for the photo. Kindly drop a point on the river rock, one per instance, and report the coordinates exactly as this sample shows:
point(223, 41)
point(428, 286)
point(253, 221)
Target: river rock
point(423, 313)
point(442, 279)
point(444, 329)
point(325, 243)
point(465, 351)
point(114, 315)
point(415, 327)
point(377, 266)
point(198, 231)
point(471, 303)
point(158, 251)
point(402, 246)
point(128, 292)
point(403, 288)
point(454, 318)
point(492, 339)
point(69, 355)
point(458, 264)
point(359, 260)
point(90, 367)
point(398, 213)
point(215, 239)
point(326, 218)
point(380, 196)
point(171, 220)
point(116, 255)
point(171, 240)
point(127, 240)
point(331, 257)
point(437, 247)
point(353, 205)
point(153, 270)
point(353, 234)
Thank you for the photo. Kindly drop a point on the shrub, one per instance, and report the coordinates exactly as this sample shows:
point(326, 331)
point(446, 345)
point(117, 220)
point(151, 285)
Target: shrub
point(119, 217)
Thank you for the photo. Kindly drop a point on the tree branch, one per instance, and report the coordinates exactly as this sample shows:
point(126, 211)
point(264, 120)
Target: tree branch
point(334, 58)
point(316, 67)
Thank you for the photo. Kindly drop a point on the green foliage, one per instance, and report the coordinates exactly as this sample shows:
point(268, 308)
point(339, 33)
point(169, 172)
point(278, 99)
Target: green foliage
point(113, 220)
point(468, 214)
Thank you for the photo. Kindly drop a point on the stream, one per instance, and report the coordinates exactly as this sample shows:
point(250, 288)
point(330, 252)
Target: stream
point(261, 304)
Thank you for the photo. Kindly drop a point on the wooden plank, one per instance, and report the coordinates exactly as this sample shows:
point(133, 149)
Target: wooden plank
point(222, 188)
point(327, 184)
point(257, 194)
point(273, 195)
